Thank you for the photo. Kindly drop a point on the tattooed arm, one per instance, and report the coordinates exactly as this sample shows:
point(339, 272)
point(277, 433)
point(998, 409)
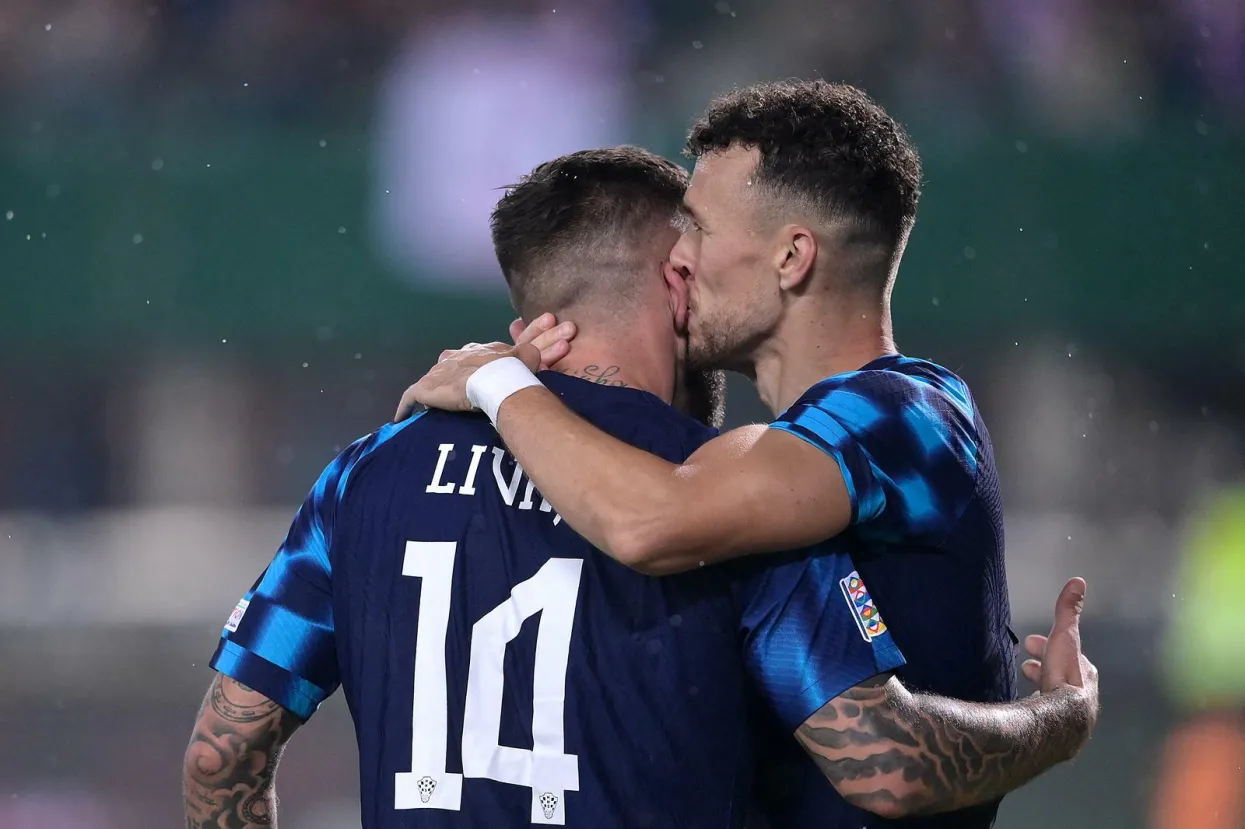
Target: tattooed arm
point(227, 776)
point(895, 753)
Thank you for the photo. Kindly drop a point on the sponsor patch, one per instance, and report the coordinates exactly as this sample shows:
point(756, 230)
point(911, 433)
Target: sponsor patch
point(868, 620)
point(235, 618)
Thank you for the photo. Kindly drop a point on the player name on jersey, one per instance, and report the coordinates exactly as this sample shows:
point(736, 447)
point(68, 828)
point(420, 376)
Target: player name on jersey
point(449, 478)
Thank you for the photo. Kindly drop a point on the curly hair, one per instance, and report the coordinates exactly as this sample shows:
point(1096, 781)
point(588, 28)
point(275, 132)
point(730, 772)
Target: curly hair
point(571, 224)
point(827, 144)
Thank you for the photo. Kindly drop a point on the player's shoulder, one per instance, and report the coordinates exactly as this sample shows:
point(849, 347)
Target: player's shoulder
point(394, 444)
point(893, 386)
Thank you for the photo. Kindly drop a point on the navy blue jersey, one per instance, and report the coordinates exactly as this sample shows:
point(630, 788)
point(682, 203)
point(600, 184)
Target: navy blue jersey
point(927, 537)
point(500, 671)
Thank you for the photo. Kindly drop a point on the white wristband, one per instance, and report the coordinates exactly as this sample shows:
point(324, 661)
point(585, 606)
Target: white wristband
point(493, 382)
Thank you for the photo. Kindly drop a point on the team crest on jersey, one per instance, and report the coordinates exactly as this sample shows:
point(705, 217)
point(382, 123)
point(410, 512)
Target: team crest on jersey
point(549, 805)
point(426, 787)
point(868, 620)
point(235, 618)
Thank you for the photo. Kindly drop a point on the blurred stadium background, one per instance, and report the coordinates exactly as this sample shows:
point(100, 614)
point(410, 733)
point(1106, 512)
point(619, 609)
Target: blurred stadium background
point(232, 232)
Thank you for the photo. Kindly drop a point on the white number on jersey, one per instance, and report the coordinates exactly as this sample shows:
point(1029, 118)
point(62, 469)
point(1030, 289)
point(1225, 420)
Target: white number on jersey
point(545, 768)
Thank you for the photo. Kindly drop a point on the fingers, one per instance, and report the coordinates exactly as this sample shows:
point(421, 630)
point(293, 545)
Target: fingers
point(554, 344)
point(1035, 645)
point(1032, 669)
point(406, 407)
point(538, 326)
point(550, 356)
point(1069, 605)
point(516, 329)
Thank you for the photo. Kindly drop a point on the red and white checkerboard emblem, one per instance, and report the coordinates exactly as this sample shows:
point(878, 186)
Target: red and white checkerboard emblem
point(868, 620)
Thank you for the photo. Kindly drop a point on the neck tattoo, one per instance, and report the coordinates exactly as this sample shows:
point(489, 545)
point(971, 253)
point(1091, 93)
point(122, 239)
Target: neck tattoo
point(601, 375)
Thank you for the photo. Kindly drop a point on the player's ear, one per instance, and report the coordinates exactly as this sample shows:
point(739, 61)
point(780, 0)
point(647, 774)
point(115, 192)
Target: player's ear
point(676, 285)
point(794, 258)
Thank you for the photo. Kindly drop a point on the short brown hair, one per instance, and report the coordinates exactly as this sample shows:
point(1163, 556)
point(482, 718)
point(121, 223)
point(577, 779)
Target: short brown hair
point(579, 224)
point(827, 144)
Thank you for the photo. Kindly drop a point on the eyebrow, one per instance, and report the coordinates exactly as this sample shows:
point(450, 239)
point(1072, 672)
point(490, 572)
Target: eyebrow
point(687, 210)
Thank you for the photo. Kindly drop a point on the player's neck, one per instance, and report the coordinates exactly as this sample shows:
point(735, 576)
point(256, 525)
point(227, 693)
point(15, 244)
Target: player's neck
point(816, 341)
point(609, 359)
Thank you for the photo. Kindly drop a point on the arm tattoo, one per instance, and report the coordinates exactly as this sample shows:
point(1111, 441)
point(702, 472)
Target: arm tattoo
point(601, 375)
point(227, 779)
point(895, 753)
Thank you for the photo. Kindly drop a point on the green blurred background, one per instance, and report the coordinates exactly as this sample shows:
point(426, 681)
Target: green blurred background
point(232, 232)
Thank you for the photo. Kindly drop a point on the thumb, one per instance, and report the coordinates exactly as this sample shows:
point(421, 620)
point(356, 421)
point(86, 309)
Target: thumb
point(1069, 605)
point(529, 354)
point(516, 329)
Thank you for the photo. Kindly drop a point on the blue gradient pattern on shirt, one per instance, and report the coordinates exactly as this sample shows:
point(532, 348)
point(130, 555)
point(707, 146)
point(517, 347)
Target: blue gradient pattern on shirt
point(926, 535)
point(801, 645)
point(902, 433)
point(284, 642)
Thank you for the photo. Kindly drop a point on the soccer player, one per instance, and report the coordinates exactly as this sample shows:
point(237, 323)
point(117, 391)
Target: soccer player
point(502, 672)
point(797, 215)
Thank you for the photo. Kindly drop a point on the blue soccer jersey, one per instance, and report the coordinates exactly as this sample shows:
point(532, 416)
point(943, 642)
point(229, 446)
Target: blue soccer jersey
point(927, 537)
point(500, 671)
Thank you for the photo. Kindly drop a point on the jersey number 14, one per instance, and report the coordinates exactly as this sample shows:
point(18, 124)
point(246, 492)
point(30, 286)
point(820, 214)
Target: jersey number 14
point(545, 768)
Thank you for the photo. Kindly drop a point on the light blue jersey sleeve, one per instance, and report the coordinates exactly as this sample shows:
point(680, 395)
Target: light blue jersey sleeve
point(906, 438)
point(280, 639)
point(809, 628)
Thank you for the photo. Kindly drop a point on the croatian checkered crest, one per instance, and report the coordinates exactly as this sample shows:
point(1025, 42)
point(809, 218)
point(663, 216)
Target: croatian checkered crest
point(426, 787)
point(549, 804)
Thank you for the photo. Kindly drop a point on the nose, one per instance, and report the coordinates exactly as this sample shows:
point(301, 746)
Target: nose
point(680, 257)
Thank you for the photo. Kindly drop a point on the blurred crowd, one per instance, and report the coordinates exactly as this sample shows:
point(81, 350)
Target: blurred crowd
point(1069, 66)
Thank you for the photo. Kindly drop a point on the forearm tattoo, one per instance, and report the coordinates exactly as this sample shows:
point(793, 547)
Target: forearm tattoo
point(232, 757)
point(889, 751)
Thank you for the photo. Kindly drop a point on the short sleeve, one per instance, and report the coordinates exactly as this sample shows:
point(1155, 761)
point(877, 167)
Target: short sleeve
point(810, 630)
point(908, 447)
point(279, 639)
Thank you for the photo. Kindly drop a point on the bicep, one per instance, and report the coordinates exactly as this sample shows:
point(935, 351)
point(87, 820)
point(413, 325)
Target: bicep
point(864, 745)
point(755, 490)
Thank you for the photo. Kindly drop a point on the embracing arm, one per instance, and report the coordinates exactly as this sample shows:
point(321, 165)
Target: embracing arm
point(227, 775)
point(897, 754)
point(751, 490)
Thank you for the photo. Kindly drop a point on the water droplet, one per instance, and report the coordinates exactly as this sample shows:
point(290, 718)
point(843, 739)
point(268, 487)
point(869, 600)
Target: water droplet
point(305, 365)
point(696, 44)
point(341, 229)
point(653, 646)
point(53, 190)
point(47, 28)
point(158, 164)
point(323, 143)
point(1022, 147)
point(676, 621)
point(9, 216)
point(137, 238)
point(224, 341)
point(358, 355)
point(693, 691)
point(1154, 427)
point(970, 253)
point(1202, 127)
point(935, 301)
